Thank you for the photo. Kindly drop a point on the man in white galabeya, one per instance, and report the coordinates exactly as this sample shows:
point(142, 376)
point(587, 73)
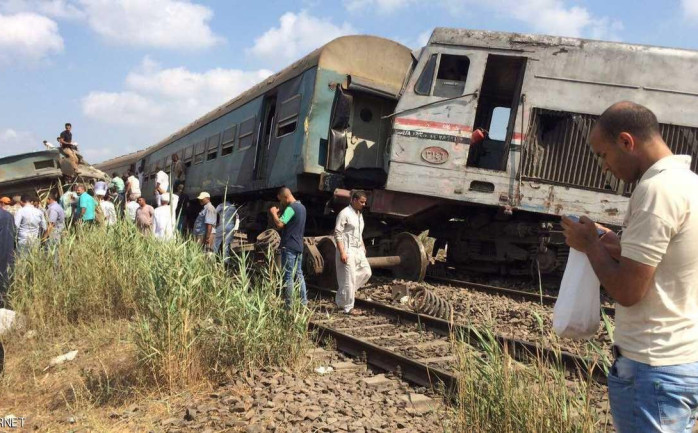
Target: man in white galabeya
point(653, 383)
point(353, 270)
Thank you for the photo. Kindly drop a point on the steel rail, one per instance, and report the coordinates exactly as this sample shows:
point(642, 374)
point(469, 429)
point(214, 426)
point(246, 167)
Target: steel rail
point(510, 293)
point(407, 368)
point(518, 349)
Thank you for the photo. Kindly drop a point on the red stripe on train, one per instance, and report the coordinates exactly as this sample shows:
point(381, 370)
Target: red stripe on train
point(434, 125)
point(440, 125)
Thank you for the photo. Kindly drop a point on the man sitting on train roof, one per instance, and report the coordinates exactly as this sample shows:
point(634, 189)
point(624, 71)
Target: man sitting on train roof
point(68, 148)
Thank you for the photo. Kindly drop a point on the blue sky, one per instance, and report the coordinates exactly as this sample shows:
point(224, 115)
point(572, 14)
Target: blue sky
point(127, 73)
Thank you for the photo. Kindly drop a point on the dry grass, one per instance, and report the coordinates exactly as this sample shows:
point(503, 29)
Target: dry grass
point(149, 319)
point(499, 394)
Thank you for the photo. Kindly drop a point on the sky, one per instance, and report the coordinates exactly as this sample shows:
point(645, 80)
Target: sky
point(128, 73)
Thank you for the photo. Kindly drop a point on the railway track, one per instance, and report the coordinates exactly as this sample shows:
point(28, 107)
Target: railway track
point(503, 291)
point(416, 346)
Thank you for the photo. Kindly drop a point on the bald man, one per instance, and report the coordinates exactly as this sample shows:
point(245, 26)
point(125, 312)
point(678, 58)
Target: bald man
point(653, 384)
point(292, 225)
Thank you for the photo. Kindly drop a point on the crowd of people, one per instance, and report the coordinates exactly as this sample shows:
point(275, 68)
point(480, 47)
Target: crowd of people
point(27, 221)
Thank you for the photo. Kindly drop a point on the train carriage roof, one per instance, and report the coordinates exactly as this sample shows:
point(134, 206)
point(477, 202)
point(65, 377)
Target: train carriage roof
point(524, 41)
point(381, 62)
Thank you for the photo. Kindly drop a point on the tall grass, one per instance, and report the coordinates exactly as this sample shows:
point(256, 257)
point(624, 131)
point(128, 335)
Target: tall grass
point(498, 394)
point(191, 318)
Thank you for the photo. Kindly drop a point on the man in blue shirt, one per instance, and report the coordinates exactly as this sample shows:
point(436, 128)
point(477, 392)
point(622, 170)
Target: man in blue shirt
point(86, 206)
point(292, 225)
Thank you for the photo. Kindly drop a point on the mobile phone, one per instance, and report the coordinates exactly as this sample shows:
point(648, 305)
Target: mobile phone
point(575, 218)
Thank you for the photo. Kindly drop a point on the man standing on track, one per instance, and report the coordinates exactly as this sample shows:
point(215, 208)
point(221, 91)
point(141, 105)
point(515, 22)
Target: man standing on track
point(353, 270)
point(653, 383)
point(292, 226)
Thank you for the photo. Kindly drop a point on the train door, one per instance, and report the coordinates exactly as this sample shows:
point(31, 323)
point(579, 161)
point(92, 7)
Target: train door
point(266, 128)
point(337, 137)
point(358, 136)
point(496, 111)
point(369, 132)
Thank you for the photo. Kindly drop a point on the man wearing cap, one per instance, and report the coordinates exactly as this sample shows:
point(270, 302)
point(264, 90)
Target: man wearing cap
point(292, 225)
point(205, 221)
point(30, 223)
point(5, 203)
point(164, 219)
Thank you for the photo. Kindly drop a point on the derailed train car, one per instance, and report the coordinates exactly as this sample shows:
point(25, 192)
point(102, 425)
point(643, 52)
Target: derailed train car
point(363, 112)
point(42, 171)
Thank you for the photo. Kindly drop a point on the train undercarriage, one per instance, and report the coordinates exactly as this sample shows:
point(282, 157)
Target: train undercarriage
point(470, 238)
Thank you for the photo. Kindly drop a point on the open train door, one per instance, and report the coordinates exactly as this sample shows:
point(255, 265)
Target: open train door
point(337, 137)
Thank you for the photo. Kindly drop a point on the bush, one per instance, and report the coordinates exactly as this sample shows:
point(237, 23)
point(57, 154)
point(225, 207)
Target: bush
point(191, 318)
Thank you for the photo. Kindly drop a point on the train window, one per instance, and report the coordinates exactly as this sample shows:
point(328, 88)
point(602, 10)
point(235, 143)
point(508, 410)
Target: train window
point(188, 156)
point(48, 163)
point(499, 123)
point(168, 163)
point(212, 147)
point(247, 129)
point(453, 72)
point(288, 116)
point(228, 140)
point(199, 151)
point(423, 86)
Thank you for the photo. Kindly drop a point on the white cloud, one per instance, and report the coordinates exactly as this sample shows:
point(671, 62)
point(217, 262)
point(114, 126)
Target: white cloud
point(28, 37)
point(158, 101)
point(154, 23)
point(542, 16)
point(383, 6)
point(64, 9)
point(296, 36)
point(13, 142)
point(690, 8)
point(554, 17)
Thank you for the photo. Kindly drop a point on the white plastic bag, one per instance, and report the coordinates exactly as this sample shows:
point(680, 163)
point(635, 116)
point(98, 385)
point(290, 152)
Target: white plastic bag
point(577, 312)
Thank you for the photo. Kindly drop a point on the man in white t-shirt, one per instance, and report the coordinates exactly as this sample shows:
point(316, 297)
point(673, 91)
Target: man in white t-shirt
point(133, 185)
point(164, 219)
point(131, 207)
point(651, 273)
point(162, 184)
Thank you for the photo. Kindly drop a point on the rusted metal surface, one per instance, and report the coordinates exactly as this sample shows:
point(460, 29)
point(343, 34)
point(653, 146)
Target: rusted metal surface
point(510, 293)
point(557, 151)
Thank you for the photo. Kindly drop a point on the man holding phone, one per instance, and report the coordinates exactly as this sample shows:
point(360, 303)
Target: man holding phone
point(653, 384)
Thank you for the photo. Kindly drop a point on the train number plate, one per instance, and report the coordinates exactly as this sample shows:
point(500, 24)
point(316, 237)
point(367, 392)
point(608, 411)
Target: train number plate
point(435, 155)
